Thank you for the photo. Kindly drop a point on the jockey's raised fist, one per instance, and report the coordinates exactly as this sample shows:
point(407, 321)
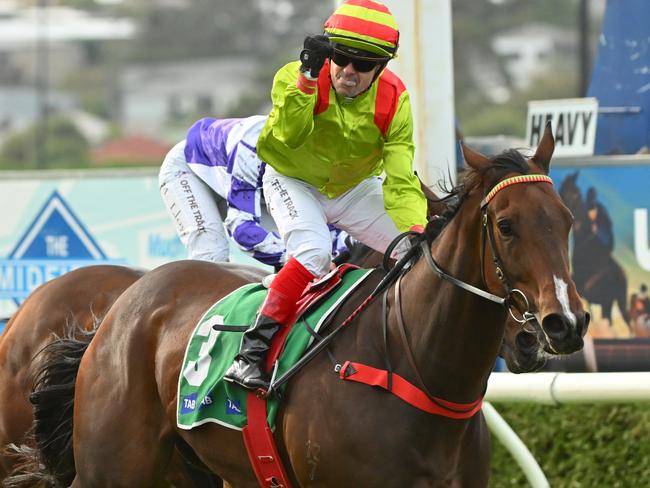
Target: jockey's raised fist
point(315, 50)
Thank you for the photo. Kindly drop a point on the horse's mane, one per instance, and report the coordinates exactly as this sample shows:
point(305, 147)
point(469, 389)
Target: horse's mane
point(508, 161)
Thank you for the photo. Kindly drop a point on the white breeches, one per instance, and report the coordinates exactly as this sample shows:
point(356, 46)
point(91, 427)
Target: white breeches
point(302, 213)
point(193, 208)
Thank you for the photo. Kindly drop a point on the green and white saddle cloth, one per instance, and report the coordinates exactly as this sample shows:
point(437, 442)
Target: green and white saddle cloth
point(203, 396)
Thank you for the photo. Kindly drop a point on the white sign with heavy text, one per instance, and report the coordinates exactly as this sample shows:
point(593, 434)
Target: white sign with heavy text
point(573, 121)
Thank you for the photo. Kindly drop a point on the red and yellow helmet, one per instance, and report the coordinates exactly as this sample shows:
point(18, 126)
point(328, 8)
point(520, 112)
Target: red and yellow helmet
point(366, 25)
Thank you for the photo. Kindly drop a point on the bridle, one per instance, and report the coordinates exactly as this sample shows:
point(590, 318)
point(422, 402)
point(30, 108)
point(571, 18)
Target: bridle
point(398, 270)
point(486, 230)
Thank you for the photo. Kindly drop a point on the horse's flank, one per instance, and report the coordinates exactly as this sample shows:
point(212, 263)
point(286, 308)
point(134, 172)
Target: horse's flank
point(332, 432)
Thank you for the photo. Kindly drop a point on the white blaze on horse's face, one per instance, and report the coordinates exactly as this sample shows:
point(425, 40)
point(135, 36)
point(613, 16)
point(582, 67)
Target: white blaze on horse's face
point(563, 297)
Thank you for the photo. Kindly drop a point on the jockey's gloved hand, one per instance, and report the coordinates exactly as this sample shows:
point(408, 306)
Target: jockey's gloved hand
point(316, 49)
point(417, 232)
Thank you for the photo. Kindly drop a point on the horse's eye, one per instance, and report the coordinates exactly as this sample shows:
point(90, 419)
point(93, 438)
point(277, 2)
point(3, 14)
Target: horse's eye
point(505, 227)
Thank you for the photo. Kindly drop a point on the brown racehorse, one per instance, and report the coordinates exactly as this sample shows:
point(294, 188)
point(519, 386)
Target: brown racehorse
point(81, 296)
point(331, 432)
point(524, 347)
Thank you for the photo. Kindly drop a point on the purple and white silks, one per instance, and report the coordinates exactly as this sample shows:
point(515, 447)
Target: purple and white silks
point(222, 153)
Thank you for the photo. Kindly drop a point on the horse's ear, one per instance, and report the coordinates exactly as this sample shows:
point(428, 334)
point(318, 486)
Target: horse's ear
point(545, 149)
point(474, 158)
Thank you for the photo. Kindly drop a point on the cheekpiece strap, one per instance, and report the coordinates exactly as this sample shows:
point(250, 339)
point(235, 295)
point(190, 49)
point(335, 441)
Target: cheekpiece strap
point(513, 181)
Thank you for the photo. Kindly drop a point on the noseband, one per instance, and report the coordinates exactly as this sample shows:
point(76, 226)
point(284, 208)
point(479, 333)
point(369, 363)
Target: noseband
point(506, 301)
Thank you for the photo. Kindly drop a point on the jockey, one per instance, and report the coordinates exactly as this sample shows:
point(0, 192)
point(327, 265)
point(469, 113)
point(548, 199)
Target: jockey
point(219, 156)
point(339, 120)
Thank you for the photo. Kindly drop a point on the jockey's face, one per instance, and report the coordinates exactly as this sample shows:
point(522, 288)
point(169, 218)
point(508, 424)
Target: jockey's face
point(349, 82)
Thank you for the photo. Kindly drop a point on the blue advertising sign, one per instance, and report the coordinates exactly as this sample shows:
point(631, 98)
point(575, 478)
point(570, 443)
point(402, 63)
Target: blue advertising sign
point(55, 242)
point(610, 256)
point(53, 222)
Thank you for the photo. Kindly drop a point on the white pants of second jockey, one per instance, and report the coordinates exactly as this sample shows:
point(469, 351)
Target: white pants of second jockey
point(302, 213)
point(193, 208)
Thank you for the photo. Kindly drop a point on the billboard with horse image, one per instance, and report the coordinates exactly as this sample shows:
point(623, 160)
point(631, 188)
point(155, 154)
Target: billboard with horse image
point(610, 255)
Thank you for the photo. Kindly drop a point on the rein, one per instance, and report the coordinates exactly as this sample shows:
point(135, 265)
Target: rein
point(420, 397)
point(385, 282)
point(487, 229)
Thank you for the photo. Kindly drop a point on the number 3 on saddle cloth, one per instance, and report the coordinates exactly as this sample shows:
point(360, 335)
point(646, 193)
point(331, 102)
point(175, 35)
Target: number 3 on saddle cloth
point(204, 397)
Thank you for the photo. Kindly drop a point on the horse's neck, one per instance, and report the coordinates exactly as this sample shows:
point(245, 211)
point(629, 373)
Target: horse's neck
point(455, 335)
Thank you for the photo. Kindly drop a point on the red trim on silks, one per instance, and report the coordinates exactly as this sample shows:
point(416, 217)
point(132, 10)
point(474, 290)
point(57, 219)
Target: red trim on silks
point(260, 446)
point(417, 228)
point(379, 7)
point(324, 83)
point(408, 392)
point(367, 27)
point(305, 85)
point(389, 89)
point(313, 292)
point(258, 438)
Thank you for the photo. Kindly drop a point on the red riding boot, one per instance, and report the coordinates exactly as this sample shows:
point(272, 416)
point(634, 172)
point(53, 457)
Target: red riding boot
point(278, 308)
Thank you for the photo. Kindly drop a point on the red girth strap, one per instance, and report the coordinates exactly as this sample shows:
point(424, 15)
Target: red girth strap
point(408, 392)
point(260, 446)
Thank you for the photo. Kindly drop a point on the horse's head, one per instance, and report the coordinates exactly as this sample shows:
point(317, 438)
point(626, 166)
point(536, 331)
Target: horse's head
point(526, 228)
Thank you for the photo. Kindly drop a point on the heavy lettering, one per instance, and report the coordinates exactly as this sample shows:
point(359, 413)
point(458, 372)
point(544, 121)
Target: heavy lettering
point(535, 130)
point(559, 130)
point(586, 121)
point(573, 123)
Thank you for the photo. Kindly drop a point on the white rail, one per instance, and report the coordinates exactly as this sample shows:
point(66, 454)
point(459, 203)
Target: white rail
point(556, 388)
point(553, 389)
point(515, 446)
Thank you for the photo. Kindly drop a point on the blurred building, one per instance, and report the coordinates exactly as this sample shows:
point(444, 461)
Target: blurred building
point(39, 49)
point(67, 34)
point(533, 49)
point(520, 56)
point(130, 150)
point(153, 95)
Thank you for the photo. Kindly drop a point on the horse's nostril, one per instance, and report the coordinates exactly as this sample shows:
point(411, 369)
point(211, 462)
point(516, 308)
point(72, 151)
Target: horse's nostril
point(526, 340)
point(587, 319)
point(563, 336)
point(555, 325)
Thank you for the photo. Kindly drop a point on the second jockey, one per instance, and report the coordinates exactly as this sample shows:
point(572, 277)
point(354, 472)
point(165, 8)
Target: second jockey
point(339, 120)
point(218, 159)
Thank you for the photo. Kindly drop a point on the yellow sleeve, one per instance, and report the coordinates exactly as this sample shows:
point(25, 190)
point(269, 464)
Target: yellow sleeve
point(403, 197)
point(294, 97)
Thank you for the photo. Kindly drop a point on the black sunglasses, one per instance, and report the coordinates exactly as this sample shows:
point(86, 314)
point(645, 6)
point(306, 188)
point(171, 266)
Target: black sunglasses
point(361, 65)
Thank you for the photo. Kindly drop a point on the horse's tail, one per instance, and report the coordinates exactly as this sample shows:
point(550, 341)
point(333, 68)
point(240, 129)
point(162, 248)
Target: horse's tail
point(48, 458)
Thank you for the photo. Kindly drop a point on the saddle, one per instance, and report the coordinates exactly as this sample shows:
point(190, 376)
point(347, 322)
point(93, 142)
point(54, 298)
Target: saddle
point(205, 397)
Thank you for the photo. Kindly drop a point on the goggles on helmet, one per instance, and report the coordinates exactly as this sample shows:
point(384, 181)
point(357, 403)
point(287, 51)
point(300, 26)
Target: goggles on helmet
point(359, 63)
